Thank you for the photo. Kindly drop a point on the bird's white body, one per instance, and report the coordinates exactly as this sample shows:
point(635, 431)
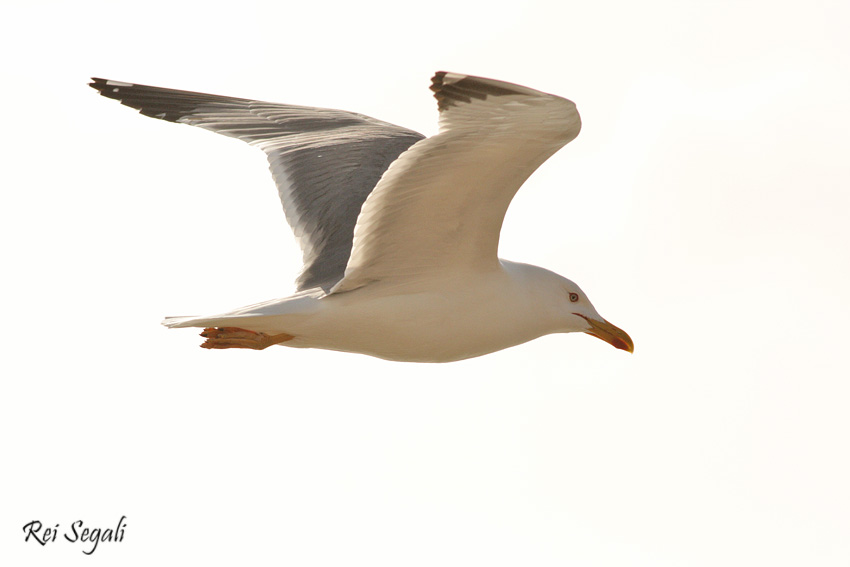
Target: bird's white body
point(434, 319)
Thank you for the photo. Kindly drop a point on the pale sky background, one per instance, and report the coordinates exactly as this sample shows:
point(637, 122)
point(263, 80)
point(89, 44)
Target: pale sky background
point(704, 209)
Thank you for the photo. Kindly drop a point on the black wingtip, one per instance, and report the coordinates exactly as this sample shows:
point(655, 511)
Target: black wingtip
point(437, 85)
point(97, 83)
point(109, 88)
point(464, 88)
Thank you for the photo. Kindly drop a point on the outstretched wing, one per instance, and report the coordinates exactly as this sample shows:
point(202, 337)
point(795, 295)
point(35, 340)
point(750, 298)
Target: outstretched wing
point(440, 206)
point(325, 162)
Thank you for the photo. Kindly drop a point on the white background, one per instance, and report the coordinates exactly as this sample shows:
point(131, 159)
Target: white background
point(704, 209)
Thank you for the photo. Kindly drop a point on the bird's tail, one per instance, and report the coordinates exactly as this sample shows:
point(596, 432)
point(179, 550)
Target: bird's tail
point(179, 322)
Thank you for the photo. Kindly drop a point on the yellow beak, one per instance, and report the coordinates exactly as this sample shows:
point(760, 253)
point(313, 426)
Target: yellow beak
point(612, 335)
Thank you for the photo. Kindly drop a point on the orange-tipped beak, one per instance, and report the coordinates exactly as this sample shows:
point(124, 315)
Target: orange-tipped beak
point(612, 335)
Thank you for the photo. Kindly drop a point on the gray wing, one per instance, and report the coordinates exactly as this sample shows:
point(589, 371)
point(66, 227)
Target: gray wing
point(325, 162)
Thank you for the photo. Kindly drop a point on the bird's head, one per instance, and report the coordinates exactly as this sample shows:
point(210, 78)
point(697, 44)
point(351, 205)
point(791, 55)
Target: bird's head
point(582, 316)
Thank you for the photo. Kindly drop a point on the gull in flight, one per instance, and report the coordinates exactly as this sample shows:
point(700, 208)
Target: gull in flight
point(399, 233)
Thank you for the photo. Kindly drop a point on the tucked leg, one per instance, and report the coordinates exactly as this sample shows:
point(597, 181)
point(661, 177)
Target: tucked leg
point(234, 337)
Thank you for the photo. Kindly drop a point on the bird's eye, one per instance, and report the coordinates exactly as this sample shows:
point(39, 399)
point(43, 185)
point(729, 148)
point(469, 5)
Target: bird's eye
point(573, 297)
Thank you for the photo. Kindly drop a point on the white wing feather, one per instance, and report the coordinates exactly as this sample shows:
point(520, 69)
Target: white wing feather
point(440, 205)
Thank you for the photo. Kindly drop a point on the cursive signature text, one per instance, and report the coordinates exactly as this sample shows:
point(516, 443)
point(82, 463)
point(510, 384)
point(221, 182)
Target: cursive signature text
point(76, 532)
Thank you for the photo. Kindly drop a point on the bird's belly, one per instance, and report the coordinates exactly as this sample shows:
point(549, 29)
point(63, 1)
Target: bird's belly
point(420, 327)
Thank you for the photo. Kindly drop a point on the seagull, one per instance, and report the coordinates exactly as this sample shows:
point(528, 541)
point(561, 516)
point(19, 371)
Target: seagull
point(399, 233)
